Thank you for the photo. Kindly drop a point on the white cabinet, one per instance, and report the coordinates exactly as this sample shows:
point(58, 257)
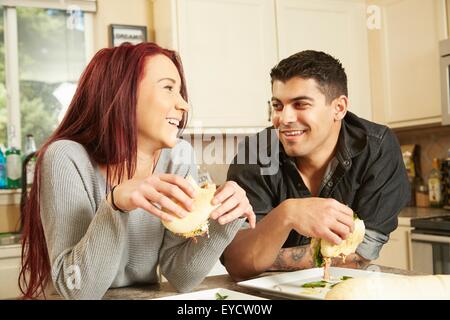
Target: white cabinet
point(396, 252)
point(9, 271)
point(228, 48)
point(405, 62)
point(335, 27)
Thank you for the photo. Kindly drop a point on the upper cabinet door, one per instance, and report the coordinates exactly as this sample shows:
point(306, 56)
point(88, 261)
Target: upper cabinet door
point(227, 49)
point(406, 61)
point(336, 27)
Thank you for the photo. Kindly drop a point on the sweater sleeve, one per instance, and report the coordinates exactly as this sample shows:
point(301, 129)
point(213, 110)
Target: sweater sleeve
point(84, 243)
point(186, 262)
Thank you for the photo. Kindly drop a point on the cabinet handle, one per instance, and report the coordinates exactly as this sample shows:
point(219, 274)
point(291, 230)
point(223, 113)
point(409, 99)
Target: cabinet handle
point(269, 111)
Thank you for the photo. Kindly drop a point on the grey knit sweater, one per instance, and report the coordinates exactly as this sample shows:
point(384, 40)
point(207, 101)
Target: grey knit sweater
point(93, 248)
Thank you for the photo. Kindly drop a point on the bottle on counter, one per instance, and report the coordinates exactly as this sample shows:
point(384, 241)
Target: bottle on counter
point(3, 174)
point(435, 185)
point(30, 148)
point(446, 180)
point(422, 196)
point(13, 167)
point(203, 176)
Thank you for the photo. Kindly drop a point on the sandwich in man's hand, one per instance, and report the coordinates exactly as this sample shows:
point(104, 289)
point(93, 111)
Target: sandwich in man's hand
point(196, 222)
point(323, 250)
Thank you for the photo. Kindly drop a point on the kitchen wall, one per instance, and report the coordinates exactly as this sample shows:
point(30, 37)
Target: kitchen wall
point(216, 146)
point(433, 142)
point(132, 12)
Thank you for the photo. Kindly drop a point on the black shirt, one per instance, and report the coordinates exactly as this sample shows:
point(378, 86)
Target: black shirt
point(367, 174)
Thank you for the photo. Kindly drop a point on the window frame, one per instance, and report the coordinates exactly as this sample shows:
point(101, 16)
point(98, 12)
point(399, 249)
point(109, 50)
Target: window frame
point(12, 80)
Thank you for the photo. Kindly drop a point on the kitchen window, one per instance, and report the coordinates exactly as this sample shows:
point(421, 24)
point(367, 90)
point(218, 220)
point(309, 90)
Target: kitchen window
point(44, 47)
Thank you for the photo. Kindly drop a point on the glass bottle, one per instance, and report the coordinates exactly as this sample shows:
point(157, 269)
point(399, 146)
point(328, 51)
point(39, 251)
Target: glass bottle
point(204, 178)
point(13, 167)
point(435, 185)
point(3, 174)
point(30, 147)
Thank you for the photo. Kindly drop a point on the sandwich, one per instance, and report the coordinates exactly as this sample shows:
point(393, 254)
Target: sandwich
point(196, 223)
point(392, 287)
point(323, 250)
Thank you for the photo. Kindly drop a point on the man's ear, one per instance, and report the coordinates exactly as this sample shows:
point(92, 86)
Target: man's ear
point(340, 107)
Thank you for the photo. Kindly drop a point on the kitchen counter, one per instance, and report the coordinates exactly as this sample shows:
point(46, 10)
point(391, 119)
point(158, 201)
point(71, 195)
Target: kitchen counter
point(408, 213)
point(223, 281)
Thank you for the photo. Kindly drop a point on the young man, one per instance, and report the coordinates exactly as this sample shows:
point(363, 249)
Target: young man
point(331, 164)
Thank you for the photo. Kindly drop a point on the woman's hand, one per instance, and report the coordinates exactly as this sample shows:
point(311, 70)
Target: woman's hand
point(233, 204)
point(157, 190)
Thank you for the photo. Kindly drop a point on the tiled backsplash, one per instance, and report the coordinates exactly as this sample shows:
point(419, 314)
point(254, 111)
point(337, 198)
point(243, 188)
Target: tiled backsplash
point(434, 143)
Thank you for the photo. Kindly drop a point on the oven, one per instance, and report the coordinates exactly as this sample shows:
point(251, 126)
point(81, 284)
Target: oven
point(431, 245)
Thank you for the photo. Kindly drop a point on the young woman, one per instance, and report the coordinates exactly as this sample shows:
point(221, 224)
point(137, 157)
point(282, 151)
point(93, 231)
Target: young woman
point(92, 220)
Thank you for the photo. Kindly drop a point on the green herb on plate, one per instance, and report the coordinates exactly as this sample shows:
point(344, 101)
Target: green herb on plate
point(316, 284)
point(220, 297)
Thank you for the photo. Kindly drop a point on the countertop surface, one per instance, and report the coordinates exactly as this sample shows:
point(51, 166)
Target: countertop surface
point(164, 289)
point(408, 213)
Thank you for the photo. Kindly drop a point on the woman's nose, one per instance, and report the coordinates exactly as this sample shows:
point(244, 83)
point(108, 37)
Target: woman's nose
point(182, 105)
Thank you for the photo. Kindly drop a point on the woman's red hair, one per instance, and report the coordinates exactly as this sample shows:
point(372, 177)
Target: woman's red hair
point(101, 117)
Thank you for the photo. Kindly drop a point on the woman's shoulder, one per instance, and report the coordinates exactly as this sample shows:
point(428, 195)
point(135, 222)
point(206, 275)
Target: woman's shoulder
point(62, 150)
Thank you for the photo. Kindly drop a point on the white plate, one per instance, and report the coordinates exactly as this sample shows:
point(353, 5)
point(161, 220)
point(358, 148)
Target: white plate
point(289, 284)
point(211, 295)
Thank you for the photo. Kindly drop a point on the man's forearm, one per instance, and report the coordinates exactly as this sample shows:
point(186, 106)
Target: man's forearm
point(253, 251)
point(301, 257)
point(353, 261)
point(295, 258)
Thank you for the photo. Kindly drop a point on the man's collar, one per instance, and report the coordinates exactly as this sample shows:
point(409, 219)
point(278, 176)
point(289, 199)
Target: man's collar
point(352, 139)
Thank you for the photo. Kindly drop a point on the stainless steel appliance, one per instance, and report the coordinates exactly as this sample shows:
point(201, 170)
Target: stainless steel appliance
point(431, 245)
point(444, 51)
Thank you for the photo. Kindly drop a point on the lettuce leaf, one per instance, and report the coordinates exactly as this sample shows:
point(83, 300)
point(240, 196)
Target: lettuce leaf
point(317, 256)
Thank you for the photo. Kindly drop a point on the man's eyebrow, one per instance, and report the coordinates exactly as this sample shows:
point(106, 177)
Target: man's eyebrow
point(295, 99)
point(170, 79)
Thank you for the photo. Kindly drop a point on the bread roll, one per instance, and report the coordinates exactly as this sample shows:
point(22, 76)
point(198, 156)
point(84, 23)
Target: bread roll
point(348, 245)
point(196, 222)
point(375, 287)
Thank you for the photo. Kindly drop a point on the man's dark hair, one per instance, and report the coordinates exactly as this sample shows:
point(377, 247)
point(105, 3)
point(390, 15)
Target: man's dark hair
point(317, 65)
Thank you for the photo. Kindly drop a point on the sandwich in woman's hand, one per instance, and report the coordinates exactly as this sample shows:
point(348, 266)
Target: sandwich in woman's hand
point(196, 222)
point(323, 250)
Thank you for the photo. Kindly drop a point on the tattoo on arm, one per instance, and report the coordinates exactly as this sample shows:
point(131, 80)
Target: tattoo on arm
point(354, 261)
point(295, 258)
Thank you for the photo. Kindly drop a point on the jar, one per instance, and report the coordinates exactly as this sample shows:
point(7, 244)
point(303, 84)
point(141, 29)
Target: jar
point(422, 197)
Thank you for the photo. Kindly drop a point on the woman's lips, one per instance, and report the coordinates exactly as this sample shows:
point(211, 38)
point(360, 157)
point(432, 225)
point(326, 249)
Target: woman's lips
point(173, 121)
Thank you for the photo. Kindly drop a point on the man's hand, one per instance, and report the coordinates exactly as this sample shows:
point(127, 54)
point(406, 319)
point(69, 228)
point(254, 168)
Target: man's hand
point(320, 218)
